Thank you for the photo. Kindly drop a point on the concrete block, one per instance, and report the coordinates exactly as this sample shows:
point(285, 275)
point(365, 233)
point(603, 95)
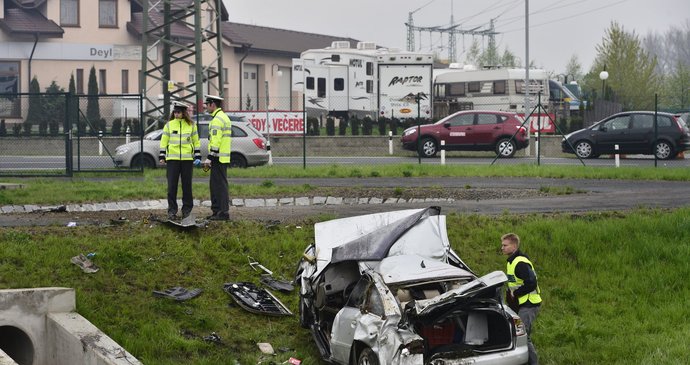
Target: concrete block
point(390, 201)
point(375, 201)
point(254, 203)
point(286, 201)
point(350, 201)
point(271, 202)
point(233, 202)
point(334, 201)
point(319, 200)
point(302, 201)
point(363, 201)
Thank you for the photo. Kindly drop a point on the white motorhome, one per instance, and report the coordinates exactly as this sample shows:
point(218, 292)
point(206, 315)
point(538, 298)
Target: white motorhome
point(364, 81)
point(490, 89)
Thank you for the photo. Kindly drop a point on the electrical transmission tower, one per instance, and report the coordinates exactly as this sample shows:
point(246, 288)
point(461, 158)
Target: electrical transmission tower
point(185, 39)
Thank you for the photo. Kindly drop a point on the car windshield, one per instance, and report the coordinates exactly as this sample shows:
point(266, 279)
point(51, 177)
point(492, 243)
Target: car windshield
point(154, 135)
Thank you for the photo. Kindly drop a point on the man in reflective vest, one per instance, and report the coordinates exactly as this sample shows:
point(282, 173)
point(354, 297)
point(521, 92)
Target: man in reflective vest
point(522, 287)
point(219, 139)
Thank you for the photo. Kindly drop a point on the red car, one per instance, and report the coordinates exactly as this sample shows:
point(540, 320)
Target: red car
point(470, 130)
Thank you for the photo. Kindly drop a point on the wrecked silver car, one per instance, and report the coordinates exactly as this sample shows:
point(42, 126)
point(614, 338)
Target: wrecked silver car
point(387, 288)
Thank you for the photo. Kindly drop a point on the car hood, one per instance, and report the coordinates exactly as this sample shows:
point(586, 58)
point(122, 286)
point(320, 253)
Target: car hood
point(373, 237)
point(484, 286)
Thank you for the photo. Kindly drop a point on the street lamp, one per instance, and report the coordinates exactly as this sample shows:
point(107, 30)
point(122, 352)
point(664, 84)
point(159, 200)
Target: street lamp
point(603, 75)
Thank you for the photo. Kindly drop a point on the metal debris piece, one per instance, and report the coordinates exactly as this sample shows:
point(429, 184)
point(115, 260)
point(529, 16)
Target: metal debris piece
point(256, 300)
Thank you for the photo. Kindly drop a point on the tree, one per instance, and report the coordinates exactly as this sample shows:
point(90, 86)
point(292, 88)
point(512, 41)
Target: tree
point(35, 113)
point(54, 107)
point(676, 94)
point(673, 64)
point(93, 110)
point(573, 68)
point(73, 105)
point(489, 56)
point(632, 79)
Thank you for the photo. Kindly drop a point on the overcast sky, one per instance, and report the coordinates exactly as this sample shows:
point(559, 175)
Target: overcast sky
point(558, 28)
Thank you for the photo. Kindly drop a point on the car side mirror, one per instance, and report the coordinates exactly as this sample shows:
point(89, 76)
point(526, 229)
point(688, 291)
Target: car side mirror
point(446, 124)
point(603, 128)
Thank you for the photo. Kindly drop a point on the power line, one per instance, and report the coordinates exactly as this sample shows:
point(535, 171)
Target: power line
point(566, 17)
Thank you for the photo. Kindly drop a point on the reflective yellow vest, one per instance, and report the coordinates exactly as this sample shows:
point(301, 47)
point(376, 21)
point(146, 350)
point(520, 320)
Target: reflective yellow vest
point(219, 136)
point(515, 282)
point(179, 140)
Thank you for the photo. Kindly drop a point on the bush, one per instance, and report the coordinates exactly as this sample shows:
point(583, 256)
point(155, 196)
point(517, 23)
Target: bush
point(382, 125)
point(354, 124)
point(116, 129)
point(54, 126)
point(313, 126)
point(367, 126)
point(17, 129)
point(330, 126)
point(27, 127)
point(342, 127)
point(3, 128)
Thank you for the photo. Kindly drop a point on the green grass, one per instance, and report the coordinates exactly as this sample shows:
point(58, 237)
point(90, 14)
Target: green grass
point(151, 185)
point(614, 284)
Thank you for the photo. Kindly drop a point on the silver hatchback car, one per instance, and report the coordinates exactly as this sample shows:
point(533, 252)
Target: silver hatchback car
point(248, 146)
point(387, 288)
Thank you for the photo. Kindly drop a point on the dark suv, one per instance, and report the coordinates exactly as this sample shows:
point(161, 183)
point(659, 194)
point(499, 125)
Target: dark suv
point(470, 130)
point(633, 132)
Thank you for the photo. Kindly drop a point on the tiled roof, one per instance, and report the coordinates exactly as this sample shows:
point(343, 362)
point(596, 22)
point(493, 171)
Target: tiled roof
point(21, 21)
point(177, 30)
point(274, 40)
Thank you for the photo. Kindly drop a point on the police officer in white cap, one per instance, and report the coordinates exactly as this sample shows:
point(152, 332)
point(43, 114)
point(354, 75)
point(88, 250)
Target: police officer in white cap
point(219, 140)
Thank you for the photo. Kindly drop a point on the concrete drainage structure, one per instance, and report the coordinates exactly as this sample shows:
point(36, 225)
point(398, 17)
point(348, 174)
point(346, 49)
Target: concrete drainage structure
point(39, 326)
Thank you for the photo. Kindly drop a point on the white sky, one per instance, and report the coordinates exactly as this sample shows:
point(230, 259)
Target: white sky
point(558, 28)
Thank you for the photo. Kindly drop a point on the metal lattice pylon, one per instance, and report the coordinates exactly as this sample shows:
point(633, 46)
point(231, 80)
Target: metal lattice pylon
point(202, 51)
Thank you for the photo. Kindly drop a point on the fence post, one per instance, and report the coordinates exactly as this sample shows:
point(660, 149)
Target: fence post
point(127, 134)
point(390, 142)
point(443, 152)
point(100, 143)
point(618, 156)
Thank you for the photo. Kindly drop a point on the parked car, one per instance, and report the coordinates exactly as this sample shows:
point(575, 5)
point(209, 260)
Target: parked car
point(248, 146)
point(633, 132)
point(473, 130)
point(387, 288)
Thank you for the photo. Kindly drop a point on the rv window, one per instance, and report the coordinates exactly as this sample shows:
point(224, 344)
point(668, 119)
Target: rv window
point(500, 87)
point(370, 68)
point(335, 58)
point(440, 90)
point(321, 87)
point(535, 86)
point(456, 89)
point(473, 87)
point(310, 83)
point(370, 86)
point(338, 84)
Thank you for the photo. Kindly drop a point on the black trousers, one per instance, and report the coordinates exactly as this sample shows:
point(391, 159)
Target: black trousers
point(181, 170)
point(218, 185)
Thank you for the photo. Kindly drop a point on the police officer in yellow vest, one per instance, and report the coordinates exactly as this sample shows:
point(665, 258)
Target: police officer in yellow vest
point(219, 140)
point(180, 150)
point(522, 287)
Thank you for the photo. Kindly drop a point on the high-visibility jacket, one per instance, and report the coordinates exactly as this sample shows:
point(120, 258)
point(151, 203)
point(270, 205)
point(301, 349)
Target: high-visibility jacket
point(220, 136)
point(180, 141)
point(515, 282)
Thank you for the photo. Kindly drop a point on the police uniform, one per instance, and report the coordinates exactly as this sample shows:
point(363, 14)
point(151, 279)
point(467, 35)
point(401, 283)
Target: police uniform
point(179, 147)
point(523, 286)
point(219, 141)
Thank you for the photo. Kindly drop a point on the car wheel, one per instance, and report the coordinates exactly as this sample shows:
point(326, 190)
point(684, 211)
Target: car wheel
point(237, 160)
point(306, 318)
point(367, 357)
point(583, 149)
point(143, 160)
point(663, 150)
point(505, 148)
point(428, 147)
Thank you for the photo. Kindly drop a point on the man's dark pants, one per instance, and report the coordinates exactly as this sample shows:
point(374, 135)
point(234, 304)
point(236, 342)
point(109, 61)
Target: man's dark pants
point(181, 170)
point(218, 185)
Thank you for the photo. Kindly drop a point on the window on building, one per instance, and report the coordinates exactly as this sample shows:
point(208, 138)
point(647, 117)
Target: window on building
point(69, 13)
point(370, 86)
point(80, 81)
point(107, 13)
point(192, 74)
point(101, 82)
point(246, 75)
point(370, 68)
point(125, 81)
point(338, 84)
point(253, 75)
point(225, 75)
point(473, 87)
point(9, 83)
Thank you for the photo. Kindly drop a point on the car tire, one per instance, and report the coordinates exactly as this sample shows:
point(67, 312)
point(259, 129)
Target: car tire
point(428, 147)
point(306, 318)
point(663, 150)
point(584, 149)
point(143, 160)
point(367, 357)
point(505, 147)
point(237, 161)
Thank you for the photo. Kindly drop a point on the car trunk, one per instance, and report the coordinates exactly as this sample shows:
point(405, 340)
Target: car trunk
point(463, 322)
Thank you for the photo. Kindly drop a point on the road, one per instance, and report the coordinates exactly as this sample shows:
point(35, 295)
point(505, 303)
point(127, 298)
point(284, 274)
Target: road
point(25, 163)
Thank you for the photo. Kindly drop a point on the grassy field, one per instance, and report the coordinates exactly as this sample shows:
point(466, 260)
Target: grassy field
point(151, 185)
point(614, 284)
